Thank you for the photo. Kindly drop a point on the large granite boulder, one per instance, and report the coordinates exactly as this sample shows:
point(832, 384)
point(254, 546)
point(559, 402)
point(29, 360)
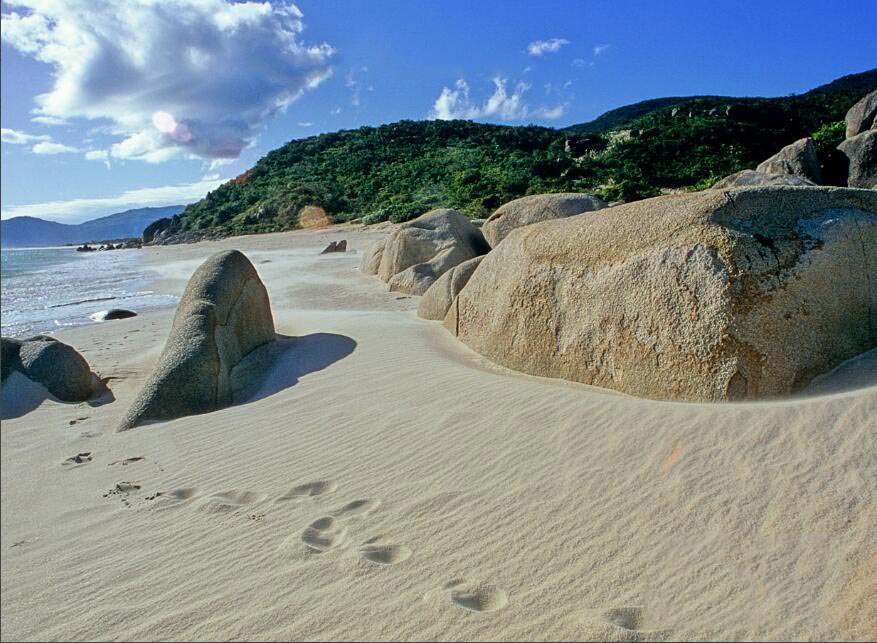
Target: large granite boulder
point(53, 364)
point(224, 315)
point(715, 295)
point(863, 115)
point(535, 208)
point(441, 295)
point(861, 150)
point(371, 260)
point(420, 251)
point(797, 159)
point(746, 178)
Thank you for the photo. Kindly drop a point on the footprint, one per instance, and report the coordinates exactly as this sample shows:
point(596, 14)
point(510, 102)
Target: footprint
point(127, 461)
point(79, 458)
point(77, 420)
point(477, 597)
point(324, 534)
point(232, 500)
point(175, 496)
point(627, 624)
point(309, 489)
point(89, 434)
point(385, 554)
point(356, 508)
point(630, 618)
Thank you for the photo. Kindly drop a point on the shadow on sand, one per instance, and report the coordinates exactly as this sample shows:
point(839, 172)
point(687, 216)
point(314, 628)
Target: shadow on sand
point(21, 395)
point(280, 364)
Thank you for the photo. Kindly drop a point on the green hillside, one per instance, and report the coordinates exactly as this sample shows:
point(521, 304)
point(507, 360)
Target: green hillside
point(401, 170)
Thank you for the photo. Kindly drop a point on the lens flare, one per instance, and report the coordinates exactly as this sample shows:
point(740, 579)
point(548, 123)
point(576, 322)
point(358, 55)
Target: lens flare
point(167, 124)
point(313, 216)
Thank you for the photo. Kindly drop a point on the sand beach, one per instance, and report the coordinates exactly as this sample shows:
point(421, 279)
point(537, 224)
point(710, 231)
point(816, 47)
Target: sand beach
point(382, 481)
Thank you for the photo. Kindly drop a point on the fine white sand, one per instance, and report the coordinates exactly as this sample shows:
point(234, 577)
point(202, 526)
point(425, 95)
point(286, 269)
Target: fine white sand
point(382, 481)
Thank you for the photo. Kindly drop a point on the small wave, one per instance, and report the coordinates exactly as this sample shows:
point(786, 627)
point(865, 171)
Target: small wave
point(82, 301)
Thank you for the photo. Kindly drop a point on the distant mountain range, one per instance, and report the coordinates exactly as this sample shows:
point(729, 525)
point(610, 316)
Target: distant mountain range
point(31, 232)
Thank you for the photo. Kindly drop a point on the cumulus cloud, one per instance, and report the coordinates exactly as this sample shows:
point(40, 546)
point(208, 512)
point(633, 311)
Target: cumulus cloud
point(76, 210)
point(600, 49)
point(46, 147)
point(456, 103)
point(539, 47)
point(177, 78)
point(17, 137)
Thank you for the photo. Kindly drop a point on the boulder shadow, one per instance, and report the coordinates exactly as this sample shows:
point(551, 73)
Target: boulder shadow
point(20, 395)
point(279, 365)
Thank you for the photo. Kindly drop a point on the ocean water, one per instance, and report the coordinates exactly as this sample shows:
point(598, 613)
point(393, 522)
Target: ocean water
point(46, 289)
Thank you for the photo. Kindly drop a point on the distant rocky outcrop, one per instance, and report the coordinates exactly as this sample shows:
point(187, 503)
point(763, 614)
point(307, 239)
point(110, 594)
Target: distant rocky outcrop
point(751, 178)
point(716, 295)
point(335, 246)
point(53, 364)
point(420, 251)
point(796, 159)
point(224, 315)
point(862, 116)
point(441, 295)
point(536, 208)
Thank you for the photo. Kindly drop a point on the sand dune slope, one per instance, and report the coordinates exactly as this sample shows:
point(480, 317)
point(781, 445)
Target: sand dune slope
point(385, 482)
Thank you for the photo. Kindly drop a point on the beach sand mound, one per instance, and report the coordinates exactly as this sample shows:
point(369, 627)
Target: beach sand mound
point(708, 296)
point(536, 208)
point(224, 314)
point(420, 251)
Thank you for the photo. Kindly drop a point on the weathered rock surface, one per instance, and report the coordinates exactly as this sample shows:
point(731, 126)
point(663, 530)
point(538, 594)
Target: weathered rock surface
point(753, 178)
point(441, 295)
point(535, 208)
point(862, 153)
point(224, 315)
point(715, 295)
point(53, 364)
point(797, 159)
point(420, 251)
point(371, 260)
point(863, 115)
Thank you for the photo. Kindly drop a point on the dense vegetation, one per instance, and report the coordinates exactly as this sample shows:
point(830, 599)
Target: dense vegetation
point(401, 170)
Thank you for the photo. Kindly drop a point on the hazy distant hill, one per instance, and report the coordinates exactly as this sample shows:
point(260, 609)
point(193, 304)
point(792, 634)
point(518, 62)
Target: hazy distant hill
point(23, 232)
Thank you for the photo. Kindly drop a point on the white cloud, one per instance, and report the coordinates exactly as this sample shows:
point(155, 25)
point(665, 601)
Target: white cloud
point(76, 210)
point(53, 148)
point(97, 155)
point(335, 111)
point(540, 47)
point(304, 124)
point(600, 49)
point(49, 120)
point(456, 103)
point(17, 137)
point(220, 70)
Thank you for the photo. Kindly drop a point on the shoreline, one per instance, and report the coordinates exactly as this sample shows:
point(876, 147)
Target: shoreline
point(556, 505)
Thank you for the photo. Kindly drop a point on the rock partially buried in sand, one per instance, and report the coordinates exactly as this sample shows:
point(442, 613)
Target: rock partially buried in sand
point(114, 313)
point(53, 364)
point(707, 296)
point(420, 251)
point(224, 314)
point(335, 246)
point(441, 295)
point(536, 208)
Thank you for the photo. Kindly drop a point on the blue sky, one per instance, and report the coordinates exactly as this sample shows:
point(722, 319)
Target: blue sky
point(108, 105)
